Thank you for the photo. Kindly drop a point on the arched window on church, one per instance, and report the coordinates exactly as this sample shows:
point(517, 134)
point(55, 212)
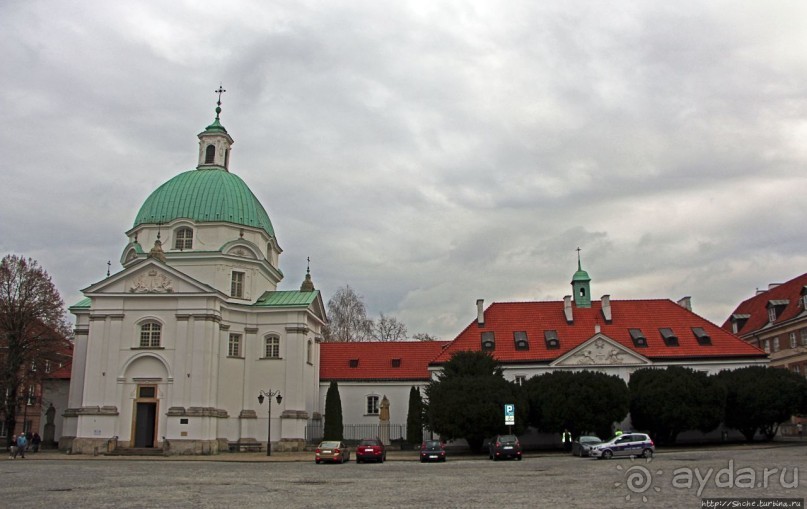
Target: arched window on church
point(150, 333)
point(210, 154)
point(184, 238)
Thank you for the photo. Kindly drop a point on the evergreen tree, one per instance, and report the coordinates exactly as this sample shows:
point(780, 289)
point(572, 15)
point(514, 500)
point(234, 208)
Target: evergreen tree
point(467, 400)
point(333, 414)
point(584, 402)
point(666, 402)
point(414, 419)
point(761, 398)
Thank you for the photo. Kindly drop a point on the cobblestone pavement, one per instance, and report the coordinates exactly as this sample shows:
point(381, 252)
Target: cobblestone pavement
point(675, 478)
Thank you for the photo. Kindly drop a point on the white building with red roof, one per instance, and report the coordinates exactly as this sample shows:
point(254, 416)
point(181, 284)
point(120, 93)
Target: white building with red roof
point(368, 372)
point(616, 337)
point(609, 336)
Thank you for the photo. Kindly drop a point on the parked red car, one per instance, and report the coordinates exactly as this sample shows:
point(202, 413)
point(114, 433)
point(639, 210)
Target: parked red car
point(432, 450)
point(371, 449)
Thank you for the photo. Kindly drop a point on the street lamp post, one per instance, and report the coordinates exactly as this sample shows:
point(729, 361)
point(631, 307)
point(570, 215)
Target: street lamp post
point(269, 394)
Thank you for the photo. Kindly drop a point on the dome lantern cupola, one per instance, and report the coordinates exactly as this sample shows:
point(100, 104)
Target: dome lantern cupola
point(215, 143)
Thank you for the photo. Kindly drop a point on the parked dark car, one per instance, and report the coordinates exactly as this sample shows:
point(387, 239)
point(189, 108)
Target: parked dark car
point(333, 451)
point(371, 449)
point(582, 446)
point(504, 446)
point(432, 450)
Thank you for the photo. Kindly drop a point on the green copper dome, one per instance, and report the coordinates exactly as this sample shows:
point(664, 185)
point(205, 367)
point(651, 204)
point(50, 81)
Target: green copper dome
point(207, 195)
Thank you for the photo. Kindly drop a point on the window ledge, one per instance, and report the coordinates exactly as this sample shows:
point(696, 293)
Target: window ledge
point(270, 358)
point(148, 348)
point(235, 357)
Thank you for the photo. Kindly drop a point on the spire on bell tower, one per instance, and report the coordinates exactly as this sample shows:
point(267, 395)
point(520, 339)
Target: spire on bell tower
point(308, 284)
point(215, 143)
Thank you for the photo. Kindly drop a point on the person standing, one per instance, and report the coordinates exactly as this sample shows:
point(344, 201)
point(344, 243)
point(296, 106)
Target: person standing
point(12, 449)
point(35, 441)
point(22, 443)
point(567, 441)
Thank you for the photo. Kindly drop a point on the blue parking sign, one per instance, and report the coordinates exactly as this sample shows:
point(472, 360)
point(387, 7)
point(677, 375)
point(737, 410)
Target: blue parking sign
point(509, 414)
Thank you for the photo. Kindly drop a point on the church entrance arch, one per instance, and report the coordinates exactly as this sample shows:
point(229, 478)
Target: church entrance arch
point(144, 425)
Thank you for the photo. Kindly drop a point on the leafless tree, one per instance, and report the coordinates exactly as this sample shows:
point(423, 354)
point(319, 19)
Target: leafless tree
point(32, 328)
point(348, 317)
point(388, 328)
point(424, 336)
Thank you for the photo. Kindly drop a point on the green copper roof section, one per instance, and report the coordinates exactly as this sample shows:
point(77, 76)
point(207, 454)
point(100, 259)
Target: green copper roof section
point(215, 127)
point(83, 303)
point(206, 195)
point(289, 298)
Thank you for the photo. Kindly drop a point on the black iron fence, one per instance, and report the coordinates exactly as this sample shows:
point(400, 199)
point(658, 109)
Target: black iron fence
point(314, 432)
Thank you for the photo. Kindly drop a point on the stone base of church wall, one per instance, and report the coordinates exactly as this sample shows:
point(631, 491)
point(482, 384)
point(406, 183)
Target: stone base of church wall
point(66, 443)
point(194, 447)
point(82, 445)
point(289, 445)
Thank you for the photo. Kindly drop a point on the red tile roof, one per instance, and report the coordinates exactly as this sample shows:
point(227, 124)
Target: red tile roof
point(757, 306)
point(375, 360)
point(505, 318)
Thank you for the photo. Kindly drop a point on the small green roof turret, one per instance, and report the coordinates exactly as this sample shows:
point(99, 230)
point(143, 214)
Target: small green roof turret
point(581, 285)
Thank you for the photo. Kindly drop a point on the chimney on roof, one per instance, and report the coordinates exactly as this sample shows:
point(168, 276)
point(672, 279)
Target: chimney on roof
point(606, 308)
point(596, 328)
point(480, 312)
point(686, 303)
point(567, 309)
point(771, 286)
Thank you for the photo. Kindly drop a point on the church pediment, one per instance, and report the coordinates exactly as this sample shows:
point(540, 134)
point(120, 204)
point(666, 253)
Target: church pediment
point(601, 350)
point(149, 277)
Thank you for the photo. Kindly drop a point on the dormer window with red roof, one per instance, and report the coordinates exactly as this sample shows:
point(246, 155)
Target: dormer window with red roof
point(551, 339)
point(738, 321)
point(520, 338)
point(396, 363)
point(488, 341)
point(702, 336)
point(669, 337)
point(639, 340)
point(353, 363)
point(775, 308)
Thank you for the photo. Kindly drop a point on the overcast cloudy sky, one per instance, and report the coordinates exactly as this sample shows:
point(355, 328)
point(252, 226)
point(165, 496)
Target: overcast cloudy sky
point(426, 153)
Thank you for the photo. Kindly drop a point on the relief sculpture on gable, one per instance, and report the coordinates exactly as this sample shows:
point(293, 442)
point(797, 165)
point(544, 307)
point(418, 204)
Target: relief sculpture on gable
point(600, 352)
point(152, 282)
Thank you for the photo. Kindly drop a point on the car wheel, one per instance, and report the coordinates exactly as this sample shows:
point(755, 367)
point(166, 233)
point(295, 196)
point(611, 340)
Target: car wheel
point(317, 462)
point(519, 458)
point(606, 454)
point(647, 453)
point(358, 460)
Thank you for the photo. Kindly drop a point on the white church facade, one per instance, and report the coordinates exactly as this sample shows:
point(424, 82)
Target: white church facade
point(173, 351)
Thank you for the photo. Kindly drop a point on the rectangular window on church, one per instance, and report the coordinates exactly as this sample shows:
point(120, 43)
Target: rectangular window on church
point(372, 405)
point(237, 285)
point(234, 346)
